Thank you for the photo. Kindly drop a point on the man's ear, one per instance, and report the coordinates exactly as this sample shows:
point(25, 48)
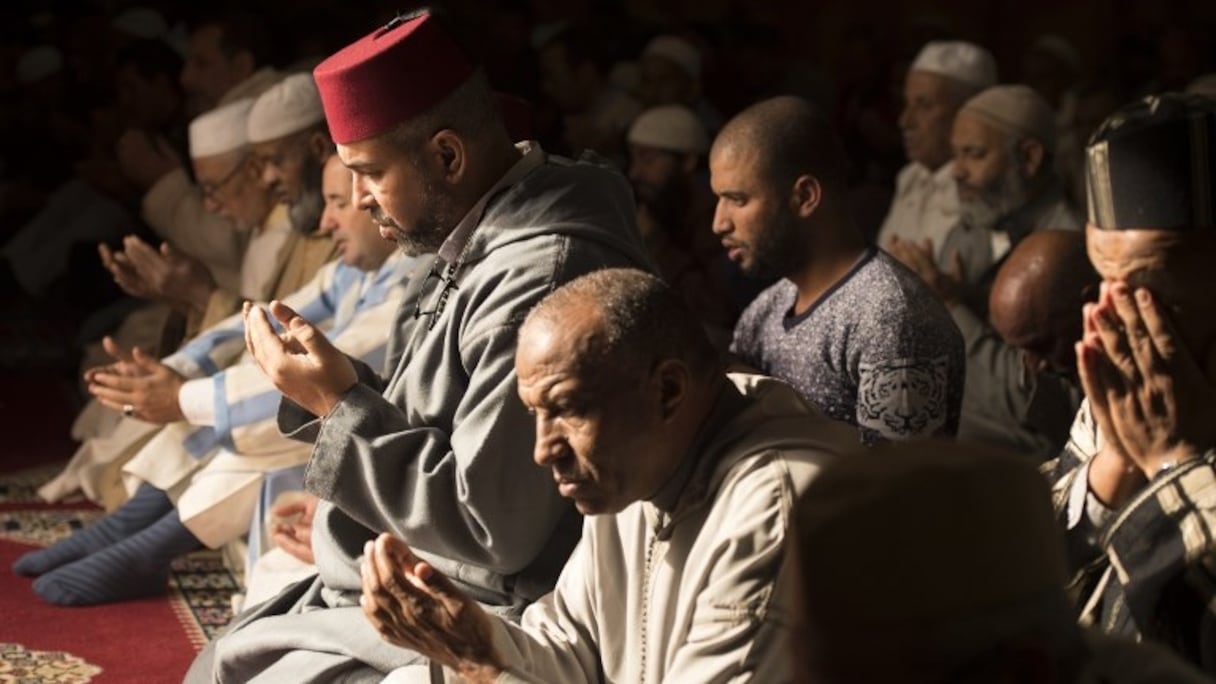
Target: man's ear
point(449, 155)
point(1031, 153)
point(688, 163)
point(805, 195)
point(672, 380)
point(319, 145)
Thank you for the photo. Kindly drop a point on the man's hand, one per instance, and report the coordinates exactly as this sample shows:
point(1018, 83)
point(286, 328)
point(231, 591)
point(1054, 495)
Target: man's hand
point(920, 259)
point(139, 381)
point(1152, 401)
point(125, 274)
point(301, 362)
point(145, 159)
point(173, 277)
point(292, 529)
point(413, 606)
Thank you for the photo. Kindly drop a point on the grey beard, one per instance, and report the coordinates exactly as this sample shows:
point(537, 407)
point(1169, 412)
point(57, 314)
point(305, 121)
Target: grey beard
point(305, 214)
point(986, 210)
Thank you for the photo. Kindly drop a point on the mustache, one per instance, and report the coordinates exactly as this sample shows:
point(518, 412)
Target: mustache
point(381, 219)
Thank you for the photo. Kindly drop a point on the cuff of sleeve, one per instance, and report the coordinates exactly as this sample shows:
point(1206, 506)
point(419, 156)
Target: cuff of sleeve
point(197, 401)
point(1083, 506)
point(184, 365)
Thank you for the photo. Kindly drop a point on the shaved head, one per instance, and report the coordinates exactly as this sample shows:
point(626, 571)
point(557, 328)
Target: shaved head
point(632, 316)
point(1036, 298)
point(789, 137)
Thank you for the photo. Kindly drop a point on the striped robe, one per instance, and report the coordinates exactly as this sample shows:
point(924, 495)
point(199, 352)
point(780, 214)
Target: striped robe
point(1146, 571)
point(214, 473)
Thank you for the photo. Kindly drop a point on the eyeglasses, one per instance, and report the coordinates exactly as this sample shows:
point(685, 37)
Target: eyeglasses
point(212, 189)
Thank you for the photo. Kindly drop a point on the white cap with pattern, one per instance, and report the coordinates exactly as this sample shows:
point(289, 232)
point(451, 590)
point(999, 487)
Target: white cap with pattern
point(671, 127)
point(965, 62)
point(289, 106)
point(220, 130)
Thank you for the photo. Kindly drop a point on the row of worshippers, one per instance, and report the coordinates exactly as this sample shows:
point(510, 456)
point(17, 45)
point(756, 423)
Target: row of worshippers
point(438, 453)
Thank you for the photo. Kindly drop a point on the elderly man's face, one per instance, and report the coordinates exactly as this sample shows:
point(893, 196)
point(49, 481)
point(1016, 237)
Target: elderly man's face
point(356, 237)
point(598, 424)
point(930, 102)
point(406, 201)
point(1174, 265)
point(287, 165)
point(230, 188)
point(986, 169)
point(753, 218)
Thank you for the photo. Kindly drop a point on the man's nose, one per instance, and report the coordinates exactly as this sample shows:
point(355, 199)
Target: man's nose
point(721, 224)
point(549, 446)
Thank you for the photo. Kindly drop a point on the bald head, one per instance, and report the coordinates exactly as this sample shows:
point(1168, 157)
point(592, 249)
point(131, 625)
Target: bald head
point(1035, 302)
point(624, 317)
point(788, 137)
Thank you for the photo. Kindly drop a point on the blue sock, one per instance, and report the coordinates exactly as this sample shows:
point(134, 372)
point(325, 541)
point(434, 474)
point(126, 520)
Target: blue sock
point(147, 506)
point(134, 567)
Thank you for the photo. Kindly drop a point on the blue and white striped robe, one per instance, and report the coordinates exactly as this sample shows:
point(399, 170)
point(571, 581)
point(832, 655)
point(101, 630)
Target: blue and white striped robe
point(214, 473)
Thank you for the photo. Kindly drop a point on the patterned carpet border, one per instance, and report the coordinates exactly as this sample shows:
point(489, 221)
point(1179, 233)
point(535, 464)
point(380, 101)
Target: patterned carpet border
point(200, 585)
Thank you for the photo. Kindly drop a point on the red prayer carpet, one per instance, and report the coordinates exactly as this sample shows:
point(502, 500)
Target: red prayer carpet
point(149, 640)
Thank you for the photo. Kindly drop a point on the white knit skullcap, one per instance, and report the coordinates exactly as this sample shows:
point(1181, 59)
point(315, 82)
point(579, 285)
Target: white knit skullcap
point(1017, 110)
point(670, 127)
point(220, 130)
point(289, 106)
point(677, 50)
point(959, 60)
point(38, 63)
point(141, 22)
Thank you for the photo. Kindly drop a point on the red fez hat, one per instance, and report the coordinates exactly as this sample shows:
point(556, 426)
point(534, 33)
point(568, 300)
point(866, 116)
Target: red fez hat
point(389, 76)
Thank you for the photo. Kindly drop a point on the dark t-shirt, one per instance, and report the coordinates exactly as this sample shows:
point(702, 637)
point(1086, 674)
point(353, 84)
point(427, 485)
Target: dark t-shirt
point(878, 350)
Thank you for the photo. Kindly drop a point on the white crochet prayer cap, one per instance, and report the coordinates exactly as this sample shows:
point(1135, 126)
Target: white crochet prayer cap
point(289, 106)
point(677, 50)
point(965, 62)
point(670, 127)
point(141, 22)
point(220, 130)
point(38, 63)
point(1016, 110)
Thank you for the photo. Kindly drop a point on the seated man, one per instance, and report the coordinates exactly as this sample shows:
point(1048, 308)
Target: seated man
point(1022, 389)
point(667, 149)
point(687, 473)
point(1003, 141)
point(195, 482)
point(944, 75)
point(1134, 486)
point(438, 452)
point(856, 333)
point(962, 580)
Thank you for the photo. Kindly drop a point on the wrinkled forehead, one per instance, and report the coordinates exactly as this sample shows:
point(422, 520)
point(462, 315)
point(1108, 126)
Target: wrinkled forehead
point(1169, 262)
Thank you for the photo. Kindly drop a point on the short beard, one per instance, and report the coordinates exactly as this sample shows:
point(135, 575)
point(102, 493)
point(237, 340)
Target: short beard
point(437, 220)
point(777, 252)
